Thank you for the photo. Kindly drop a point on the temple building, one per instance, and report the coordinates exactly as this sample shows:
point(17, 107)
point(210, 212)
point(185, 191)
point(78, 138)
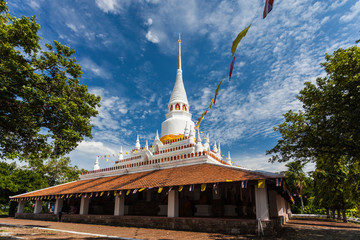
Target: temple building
point(177, 182)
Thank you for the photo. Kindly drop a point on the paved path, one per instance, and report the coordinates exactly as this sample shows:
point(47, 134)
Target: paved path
point(296, 228)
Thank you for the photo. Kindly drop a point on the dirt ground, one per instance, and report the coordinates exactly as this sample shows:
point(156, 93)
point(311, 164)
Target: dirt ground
point(295, 229)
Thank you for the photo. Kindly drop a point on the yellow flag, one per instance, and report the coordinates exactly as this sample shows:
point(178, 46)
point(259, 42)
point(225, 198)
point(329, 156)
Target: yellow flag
point(126, 153)
point(107, 160)
point(227, 180)
point(91, 195)
point(203, 187)
point(142, 189)
point(114, 193)
point(181, 188)
point(70, 196)
point(160, 189)
point(80, 195)
point(211, 103)
point(261, 183)
point(218, 87)
point(101, 194)
point(62, 196)
point(128, 192)
point(238, 39)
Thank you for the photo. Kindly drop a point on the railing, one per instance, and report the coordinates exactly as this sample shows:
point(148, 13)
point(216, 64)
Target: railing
point(174, 149)
point(150, 162)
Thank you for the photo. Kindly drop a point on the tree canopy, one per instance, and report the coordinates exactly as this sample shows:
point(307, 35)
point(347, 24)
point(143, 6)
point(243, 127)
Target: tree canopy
point(329, 122)
point(327, 131)
point(45, 111)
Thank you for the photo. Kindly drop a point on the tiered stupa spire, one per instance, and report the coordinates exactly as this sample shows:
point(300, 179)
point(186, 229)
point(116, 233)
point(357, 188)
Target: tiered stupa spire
point(178, 116)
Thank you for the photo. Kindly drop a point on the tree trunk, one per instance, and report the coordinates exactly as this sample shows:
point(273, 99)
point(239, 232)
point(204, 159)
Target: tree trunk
point(333, 214)
point(327, 213)
point(344, 215)
point(338, 214)
point(302, 204)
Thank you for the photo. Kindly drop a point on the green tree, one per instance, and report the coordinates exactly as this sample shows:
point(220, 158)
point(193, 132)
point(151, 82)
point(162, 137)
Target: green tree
point(16, 180)
point(329, 122)
point(58, 171)
point(337, 184)
point(327, 130)
point(296, 179)
point(45, 111)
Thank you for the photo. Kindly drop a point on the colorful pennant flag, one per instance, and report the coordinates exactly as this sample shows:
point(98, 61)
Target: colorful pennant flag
point(203, 187)
point(135, 191)
point(244, 184)
point(217, 90)
point(261, 183)
point(101, 194)
point(238, 39)
point(160, 189)
point(141, 189)
point(191, 188)
point(170, 188)
point(268, 7)
point(278, 182)
point(231, 67)
point(181, 188)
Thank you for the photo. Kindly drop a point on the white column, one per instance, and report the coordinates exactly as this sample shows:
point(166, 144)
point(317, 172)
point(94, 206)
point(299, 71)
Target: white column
point(58, 205)
point(84, 206)
point(173, 204)
point(21, 206)
point(119, 205)
point(261, 200)
point(37, 208)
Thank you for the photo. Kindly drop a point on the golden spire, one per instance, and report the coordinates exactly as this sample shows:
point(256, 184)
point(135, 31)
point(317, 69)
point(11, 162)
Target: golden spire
point(179, 57)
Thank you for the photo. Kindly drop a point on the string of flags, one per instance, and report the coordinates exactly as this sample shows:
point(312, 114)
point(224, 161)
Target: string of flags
point(267, 8)
point(203, 187)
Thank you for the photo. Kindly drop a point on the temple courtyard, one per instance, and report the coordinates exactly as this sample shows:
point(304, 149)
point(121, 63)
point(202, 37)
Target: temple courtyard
point(295, 228)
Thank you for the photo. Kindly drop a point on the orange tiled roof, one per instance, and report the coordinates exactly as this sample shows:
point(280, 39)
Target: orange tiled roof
point(177, 176)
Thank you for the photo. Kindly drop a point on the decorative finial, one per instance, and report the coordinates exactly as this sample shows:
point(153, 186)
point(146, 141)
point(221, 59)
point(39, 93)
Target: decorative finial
point(96, 164)
point(137, 144)
point(121, 156)
point(198, 139)
point(157, 135)
point(229, 159)
point(179, 57)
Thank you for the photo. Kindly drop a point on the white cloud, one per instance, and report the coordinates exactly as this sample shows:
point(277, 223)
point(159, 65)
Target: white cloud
point(152, 37)
point(354, 11)
point(149, 22)
point(34, 4)
point(93, 147)
point(89, 65)
point(113, 6)
point(111, 110)
point(337, 3)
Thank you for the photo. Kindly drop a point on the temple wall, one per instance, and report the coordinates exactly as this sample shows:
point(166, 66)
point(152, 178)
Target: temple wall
point(214, 225)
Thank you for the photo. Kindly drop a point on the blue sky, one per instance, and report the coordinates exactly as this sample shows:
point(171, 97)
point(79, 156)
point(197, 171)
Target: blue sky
point(128, 53)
